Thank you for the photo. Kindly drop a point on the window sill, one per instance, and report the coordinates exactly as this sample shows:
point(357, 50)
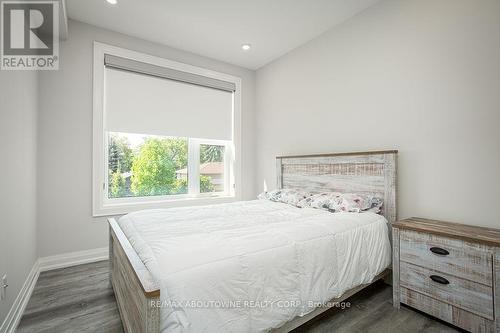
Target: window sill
point(121, 208)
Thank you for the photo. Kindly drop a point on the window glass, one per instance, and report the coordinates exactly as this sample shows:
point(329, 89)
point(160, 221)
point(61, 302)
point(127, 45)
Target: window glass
point(212, 173)
point(146, 165)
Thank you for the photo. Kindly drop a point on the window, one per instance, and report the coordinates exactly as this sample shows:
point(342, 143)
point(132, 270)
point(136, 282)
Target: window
point(151, 165)
point(165, 134)
point(145, 165)
point(212, 168)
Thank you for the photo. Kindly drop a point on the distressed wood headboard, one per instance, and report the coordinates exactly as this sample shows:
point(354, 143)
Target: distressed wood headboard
point(361, 172)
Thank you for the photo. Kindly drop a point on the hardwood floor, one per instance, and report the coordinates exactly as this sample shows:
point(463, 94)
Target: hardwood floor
point(74, 299)
point(371, 311)
point(80, 299)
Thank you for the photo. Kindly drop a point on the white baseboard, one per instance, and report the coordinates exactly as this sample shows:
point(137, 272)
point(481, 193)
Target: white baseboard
point(46, 264)
point(16, 311)
point(73, 259)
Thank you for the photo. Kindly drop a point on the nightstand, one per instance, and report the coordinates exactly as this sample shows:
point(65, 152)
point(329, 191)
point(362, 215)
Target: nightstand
point(448, 270)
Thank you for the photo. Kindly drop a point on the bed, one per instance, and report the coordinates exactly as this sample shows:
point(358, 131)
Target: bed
point(255, 266)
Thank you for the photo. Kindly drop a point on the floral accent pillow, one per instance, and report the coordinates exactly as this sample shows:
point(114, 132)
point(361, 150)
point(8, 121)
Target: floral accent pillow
point(361, 203)
point(321, 200)
point(343, 202)
point(288, 196)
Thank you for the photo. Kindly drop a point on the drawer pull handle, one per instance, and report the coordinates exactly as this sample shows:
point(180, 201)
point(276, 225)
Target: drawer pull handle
point(440, 251)
point(439, 279)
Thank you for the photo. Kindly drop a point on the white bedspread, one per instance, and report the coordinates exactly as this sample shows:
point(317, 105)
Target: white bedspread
point(252, 266)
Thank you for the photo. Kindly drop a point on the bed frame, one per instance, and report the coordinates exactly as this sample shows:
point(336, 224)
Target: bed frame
point(137, 292)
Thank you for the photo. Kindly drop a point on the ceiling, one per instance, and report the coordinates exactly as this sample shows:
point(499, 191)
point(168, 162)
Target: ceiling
point(218, 28)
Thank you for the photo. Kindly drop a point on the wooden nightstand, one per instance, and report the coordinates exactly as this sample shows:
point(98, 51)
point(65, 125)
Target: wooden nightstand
point(448, 270)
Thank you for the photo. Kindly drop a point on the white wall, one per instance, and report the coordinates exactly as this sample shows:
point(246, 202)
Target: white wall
point(65, 146)
point(18, 118)
point(421, 76)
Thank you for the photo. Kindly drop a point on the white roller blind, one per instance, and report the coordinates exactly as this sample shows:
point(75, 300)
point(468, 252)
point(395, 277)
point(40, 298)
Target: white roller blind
point(146, 104)
point(167, 73)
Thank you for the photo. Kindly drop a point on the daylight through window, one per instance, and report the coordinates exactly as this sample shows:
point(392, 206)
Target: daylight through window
point(167, 134)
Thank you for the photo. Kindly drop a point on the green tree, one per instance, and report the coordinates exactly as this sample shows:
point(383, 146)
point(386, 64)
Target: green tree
point(120, 155)
point(117, 185)
point(211, 153)
point(206, 184)
point(181, 185)
point(153, 169)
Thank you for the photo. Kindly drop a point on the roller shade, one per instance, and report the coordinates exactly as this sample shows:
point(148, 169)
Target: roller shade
point(167, 73)
point(138, 101)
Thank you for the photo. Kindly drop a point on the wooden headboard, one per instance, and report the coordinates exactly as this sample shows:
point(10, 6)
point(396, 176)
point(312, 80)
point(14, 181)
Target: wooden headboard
point(361, 172)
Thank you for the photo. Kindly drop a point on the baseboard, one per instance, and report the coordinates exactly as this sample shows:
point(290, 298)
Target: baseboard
point(16, 311)
point(46, 264)
point(73, 259)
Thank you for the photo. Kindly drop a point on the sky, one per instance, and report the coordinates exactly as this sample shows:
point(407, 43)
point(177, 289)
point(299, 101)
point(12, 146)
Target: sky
point(136, 140)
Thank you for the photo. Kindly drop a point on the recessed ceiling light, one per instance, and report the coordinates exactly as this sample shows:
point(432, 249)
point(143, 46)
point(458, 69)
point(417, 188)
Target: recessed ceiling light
point(113, 2)
point(246, 47)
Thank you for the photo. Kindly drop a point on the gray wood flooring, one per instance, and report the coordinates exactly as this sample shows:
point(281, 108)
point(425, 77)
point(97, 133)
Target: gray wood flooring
point(74, 299)
point(80, 299)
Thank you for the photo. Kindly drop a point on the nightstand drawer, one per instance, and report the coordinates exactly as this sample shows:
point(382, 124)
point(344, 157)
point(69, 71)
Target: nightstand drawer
point(470, 296)
point(447, 312)
point(447, 255)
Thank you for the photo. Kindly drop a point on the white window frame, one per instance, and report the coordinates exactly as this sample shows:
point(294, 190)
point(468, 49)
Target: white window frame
point(194, 167)
point(101, 204)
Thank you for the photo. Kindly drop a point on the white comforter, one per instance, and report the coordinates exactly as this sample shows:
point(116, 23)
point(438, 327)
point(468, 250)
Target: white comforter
point(252, 266)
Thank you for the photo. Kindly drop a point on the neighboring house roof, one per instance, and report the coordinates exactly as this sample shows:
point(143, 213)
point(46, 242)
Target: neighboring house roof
point(210, 168)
